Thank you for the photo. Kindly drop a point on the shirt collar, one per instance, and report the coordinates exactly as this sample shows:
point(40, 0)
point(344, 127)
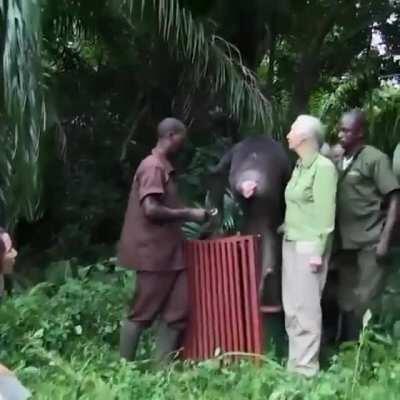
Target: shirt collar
point(164, 161)
point(308, 160)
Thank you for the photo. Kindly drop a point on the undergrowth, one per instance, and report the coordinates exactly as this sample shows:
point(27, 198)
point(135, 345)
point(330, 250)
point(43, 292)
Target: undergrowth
point(62, 342)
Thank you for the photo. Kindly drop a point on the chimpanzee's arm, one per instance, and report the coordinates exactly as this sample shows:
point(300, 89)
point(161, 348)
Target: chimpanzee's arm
point(216, 185)
point(223, 166)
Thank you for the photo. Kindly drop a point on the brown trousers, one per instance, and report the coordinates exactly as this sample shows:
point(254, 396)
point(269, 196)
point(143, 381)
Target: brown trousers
point(163, 294)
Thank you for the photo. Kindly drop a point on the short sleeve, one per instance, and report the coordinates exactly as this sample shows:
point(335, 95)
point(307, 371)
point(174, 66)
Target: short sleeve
point(384, 177)
point(151, 181)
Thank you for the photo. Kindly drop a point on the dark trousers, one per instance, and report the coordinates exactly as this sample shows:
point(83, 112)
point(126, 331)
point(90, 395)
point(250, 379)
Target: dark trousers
point(163, 294)
point(362, 279)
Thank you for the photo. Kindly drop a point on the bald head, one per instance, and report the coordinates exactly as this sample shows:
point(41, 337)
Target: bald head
point(356, 118)
point(171, 135)
point(352, 127)
point(170, 126)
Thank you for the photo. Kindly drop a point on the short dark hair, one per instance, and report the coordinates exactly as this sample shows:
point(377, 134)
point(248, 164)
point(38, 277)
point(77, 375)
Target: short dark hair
point(168, 125)
point(358, 115)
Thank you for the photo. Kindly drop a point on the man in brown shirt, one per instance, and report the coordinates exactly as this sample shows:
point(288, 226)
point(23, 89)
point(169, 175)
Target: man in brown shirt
point(151, 244)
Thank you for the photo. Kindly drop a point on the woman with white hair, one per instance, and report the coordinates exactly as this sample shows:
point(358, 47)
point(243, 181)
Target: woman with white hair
point(310, 198)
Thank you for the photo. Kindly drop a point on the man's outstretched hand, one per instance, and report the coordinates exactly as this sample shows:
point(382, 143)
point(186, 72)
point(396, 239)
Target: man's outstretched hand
point(198, 215)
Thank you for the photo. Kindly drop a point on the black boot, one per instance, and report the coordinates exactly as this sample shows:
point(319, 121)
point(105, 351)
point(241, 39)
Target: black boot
point(351, 327)
point(166, 343)
point(129, 339)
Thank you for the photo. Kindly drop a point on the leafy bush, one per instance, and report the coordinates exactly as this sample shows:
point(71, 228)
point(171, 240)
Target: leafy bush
point(62, 341)
point(381, 106)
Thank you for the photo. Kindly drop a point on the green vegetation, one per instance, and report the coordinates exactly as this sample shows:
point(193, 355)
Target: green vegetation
point(62, 340)
point(83, 84)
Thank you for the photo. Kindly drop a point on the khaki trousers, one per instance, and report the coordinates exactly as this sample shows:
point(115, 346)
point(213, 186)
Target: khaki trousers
point(301, 294)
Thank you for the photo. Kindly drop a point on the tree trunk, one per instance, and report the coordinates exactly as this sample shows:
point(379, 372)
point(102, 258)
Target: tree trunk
point(272, 54)
point(306, 79)
point(308, 71)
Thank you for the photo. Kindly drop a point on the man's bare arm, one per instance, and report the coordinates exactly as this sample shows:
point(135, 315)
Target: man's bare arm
point(155, 210)
point(386, 236)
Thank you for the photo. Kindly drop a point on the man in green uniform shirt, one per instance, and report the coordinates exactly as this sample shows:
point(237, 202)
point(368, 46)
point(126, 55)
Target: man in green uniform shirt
point(364, 227)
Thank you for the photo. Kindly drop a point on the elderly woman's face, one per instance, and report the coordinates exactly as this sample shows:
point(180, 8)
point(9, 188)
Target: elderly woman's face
point(295, 137)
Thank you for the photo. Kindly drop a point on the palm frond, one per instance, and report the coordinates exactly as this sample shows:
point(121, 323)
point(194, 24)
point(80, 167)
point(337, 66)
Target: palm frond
point(72, 20)
point(24, 107)
point(213, 61)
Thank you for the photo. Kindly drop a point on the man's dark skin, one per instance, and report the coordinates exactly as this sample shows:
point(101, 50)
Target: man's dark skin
point(172, 137)
point(352, 139)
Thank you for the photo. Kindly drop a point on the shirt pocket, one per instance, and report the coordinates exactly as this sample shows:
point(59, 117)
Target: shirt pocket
point(354, 176)
point(358, 186)
point(306, 247)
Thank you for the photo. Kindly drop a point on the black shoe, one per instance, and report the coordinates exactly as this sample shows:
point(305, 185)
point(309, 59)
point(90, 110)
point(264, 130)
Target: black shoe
point(351, 327)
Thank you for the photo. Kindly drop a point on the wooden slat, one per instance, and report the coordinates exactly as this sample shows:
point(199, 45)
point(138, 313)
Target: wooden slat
point(224, 303)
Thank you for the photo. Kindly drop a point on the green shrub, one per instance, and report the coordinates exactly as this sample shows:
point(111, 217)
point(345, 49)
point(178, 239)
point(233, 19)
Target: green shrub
point(62, 342)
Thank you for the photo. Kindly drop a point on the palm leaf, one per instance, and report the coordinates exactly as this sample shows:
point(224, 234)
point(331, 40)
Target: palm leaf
point(24, 108)
point(210, 61)
point(211, 58)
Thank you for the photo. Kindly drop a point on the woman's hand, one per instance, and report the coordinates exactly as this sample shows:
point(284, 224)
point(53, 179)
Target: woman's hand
point(316, 263)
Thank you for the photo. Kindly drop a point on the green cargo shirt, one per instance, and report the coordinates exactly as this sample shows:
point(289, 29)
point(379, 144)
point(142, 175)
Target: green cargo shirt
point(311, 202)
point(362, 188)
